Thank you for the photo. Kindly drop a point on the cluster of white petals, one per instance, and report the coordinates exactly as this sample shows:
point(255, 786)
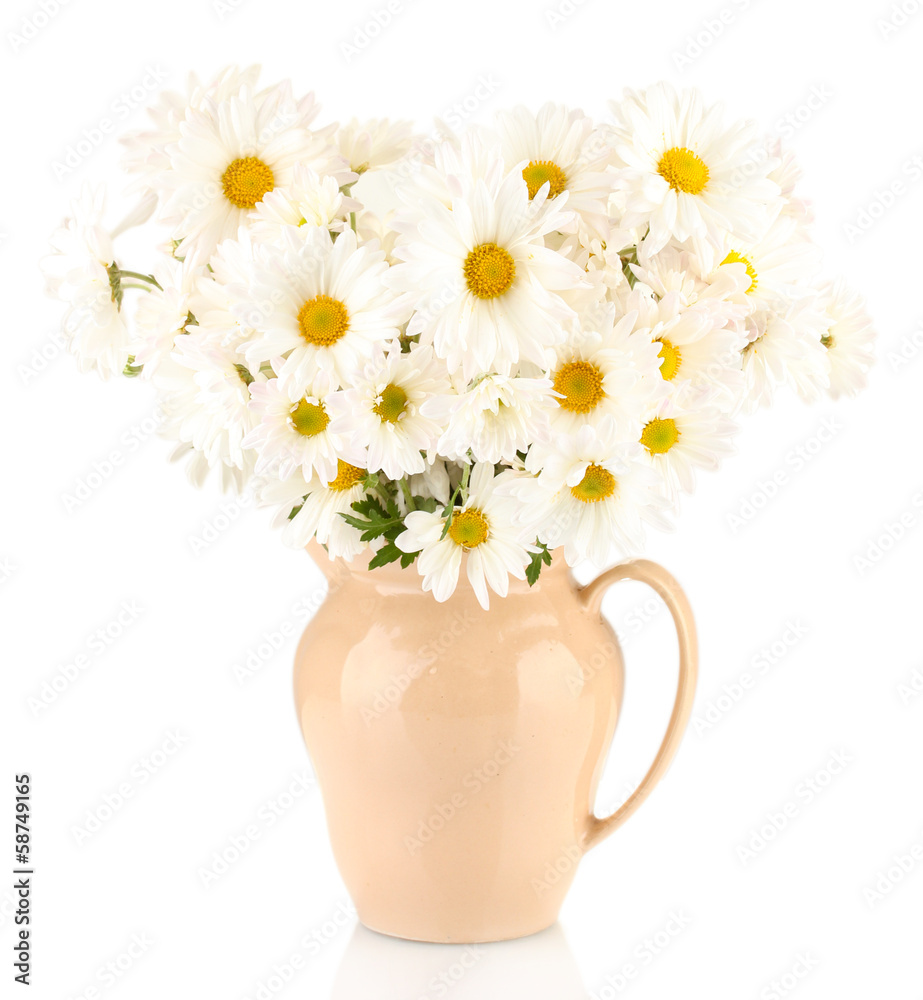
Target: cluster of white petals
point(459, 351)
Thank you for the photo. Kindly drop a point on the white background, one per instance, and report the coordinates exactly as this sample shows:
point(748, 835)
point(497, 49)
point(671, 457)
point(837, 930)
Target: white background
point(843, 686)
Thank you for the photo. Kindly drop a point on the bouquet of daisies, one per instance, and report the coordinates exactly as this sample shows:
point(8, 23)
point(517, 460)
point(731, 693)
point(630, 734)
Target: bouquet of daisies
point(458, 350)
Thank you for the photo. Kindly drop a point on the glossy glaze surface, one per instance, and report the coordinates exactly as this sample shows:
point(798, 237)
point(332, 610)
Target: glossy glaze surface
point(458, 751)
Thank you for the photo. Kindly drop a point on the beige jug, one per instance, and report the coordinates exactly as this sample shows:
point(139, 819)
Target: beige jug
point(458, 750)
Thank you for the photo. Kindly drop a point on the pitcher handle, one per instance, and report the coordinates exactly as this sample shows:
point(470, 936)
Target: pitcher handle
point(658, 579)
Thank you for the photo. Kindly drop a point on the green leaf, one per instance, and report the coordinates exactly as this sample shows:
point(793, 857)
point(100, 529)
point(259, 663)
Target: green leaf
point(390, 553)
point(540, 558)
point(377, 517)
point(375, 520)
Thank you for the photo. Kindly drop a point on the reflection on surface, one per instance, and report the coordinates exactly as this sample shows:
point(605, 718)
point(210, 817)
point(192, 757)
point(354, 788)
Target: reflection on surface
point(384, 968)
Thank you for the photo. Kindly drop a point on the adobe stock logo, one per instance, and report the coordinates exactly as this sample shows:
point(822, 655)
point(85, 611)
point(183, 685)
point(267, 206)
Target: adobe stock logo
point(32, 24)
point(911, 688)
point(735, 691)
point(775, 822)
point(884, 198)
point(889, 535)
point(710, 29)
point(113, 801)
point(365, 33)
point(97, 642)
point(473, 782)
point(805, 963)
point(901, 866)
point(270, 812)
point(796, 460)
point(643, 954)
point(112, 972)
point(898, 17)
point(92, 136)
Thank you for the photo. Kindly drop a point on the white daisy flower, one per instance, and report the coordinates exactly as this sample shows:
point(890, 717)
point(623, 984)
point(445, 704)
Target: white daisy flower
point(310, 200)
point(600, 262)
point(679, 276)
point(147, 150)
point(163, 313)
point(314, 509)
point(293, 433)
point(370, 226)
point(679, 438)
point(444, 168)
point(605, 371)
point(482, 279)
point(589, 493)
point(560, 148)
point(373, 144)
point(382, 415)
point(694, 349)
point(781, 264)
point(205, 393)
point(212, 301)
point(787, 174)
point(230, 155)
point(495, 417)
point(688, 176)
point(197, 467)
point(569, 315)
point(481, 531)
point(849, 339)
point(82, 273)
point(320, 304)
point(787, 346)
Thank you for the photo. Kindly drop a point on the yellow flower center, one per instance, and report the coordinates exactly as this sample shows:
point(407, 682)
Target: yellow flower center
point(309, 419)
point(597, 484)
point(581, 385)
point(540, 171)
point(323, 320)
point(469, 528)
point(489, 271)
point(246, 180)
point(683, 170)
point(738, 258)
point(828, 341)
point(393, 402)
point(672, 359)
point(659, 436)
point(348, 476)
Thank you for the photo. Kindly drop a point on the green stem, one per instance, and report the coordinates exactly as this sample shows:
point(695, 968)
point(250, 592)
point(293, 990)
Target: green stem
point(466, 475)
point(149, 278)
point(408, 496)
point(462, 489)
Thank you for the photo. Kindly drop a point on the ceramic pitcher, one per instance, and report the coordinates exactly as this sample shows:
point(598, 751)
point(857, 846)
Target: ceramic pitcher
point(458, 750)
